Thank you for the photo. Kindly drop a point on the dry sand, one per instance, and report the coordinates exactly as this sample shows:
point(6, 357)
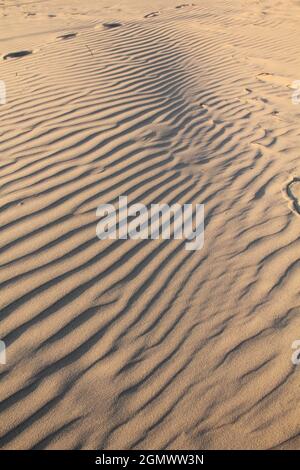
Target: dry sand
point(143, 344)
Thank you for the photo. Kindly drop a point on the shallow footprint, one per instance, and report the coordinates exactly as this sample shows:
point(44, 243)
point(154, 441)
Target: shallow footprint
point(274, 79)
point(67, 36)
point(184, 5)
point(16, 55)
point(112, 25)
point(152, 15)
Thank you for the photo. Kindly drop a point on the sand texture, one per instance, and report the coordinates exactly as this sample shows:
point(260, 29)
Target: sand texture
point(141, 344)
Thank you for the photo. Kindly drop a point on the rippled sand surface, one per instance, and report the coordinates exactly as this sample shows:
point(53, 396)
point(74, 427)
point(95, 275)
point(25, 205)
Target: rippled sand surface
point(141, 344)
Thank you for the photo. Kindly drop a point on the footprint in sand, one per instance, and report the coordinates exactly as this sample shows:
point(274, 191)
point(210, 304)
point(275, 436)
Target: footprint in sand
point(67, 36)
point(274, 79)
point(112, 25)
point(16, 55)
point(190, 163)
point(184, 5)
point(158, 132)
point(293, 191)
point(152, 15)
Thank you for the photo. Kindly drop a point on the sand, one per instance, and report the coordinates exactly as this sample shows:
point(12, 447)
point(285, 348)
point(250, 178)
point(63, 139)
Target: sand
point(141, 344)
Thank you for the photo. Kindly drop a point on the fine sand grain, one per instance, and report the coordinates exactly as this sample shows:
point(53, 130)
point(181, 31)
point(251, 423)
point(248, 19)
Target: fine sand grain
point(142, 344)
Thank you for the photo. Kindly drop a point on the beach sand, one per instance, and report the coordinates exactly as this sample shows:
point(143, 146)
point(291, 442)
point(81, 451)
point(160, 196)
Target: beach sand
point(142, 344)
